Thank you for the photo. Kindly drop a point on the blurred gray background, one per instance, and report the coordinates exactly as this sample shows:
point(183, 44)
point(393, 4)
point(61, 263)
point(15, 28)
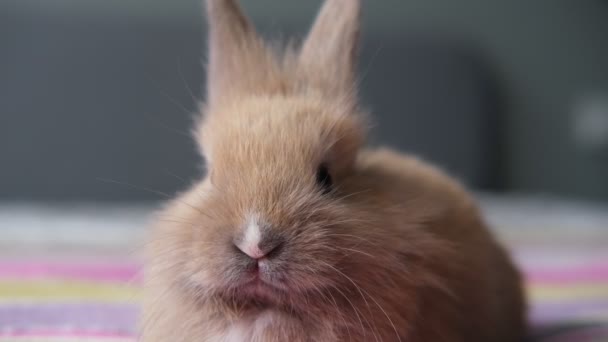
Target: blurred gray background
point(506, 95)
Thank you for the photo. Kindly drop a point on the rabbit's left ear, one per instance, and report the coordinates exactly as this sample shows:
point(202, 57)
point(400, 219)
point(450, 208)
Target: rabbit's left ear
point(328, 58)
point(239, 61)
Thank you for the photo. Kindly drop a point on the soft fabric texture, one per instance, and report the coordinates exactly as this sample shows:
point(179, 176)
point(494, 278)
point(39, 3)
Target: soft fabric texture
point(69, 286)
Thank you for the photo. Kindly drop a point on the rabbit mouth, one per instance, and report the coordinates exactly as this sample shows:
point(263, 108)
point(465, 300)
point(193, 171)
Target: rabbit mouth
point(258, 294)
point(261, 290)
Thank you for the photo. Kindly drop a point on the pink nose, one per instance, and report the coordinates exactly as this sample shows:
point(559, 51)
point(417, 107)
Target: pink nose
point(253, 251)
point(256, 253)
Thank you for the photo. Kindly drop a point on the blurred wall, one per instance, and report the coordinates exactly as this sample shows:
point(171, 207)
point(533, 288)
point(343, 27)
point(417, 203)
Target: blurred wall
point(553, 56)
point(94, 91)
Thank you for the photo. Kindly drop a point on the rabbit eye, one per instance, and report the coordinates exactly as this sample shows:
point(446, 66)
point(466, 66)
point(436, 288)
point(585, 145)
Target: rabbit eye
point(324, 178)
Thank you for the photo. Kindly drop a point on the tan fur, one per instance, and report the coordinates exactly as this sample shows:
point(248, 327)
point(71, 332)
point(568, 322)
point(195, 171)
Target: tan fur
point(397, 251)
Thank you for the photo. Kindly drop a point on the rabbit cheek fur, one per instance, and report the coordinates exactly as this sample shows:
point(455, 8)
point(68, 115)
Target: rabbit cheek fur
point(411, 261)
point(296, 234)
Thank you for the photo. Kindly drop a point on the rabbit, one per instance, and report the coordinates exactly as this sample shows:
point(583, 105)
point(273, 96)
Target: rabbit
point(298, 232)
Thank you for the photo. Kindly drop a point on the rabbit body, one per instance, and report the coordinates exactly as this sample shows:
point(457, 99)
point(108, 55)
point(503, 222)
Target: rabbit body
point(298, 233)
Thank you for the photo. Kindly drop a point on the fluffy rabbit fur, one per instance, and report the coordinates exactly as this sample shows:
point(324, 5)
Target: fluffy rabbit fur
point(299, 234)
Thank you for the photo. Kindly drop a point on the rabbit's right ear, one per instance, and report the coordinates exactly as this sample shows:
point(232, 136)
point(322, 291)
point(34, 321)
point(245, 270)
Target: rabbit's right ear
point(239, 61)
point(328, 58)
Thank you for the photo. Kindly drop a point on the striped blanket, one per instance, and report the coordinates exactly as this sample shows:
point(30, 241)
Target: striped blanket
point(74, 289)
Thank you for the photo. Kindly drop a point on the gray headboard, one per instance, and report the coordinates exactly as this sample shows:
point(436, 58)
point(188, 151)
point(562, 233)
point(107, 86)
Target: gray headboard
point(86, 97)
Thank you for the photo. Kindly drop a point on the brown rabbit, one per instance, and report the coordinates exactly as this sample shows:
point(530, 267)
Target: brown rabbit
point(297, 233)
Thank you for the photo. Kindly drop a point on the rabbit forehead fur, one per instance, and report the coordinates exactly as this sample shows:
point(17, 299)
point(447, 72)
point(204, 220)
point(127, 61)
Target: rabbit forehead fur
point(288, 137)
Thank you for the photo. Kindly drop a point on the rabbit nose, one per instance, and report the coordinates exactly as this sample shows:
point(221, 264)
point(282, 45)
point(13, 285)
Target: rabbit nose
point(253, 252)
point(257, 244)
point(257, 253)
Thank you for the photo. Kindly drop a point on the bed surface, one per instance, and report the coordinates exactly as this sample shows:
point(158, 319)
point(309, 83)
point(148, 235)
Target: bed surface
point(70, 272)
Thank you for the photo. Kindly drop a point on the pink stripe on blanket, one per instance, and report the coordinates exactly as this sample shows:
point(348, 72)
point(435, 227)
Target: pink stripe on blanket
point(105, 272)
point(54, 333)
point(595, 272)
point(128, 271)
